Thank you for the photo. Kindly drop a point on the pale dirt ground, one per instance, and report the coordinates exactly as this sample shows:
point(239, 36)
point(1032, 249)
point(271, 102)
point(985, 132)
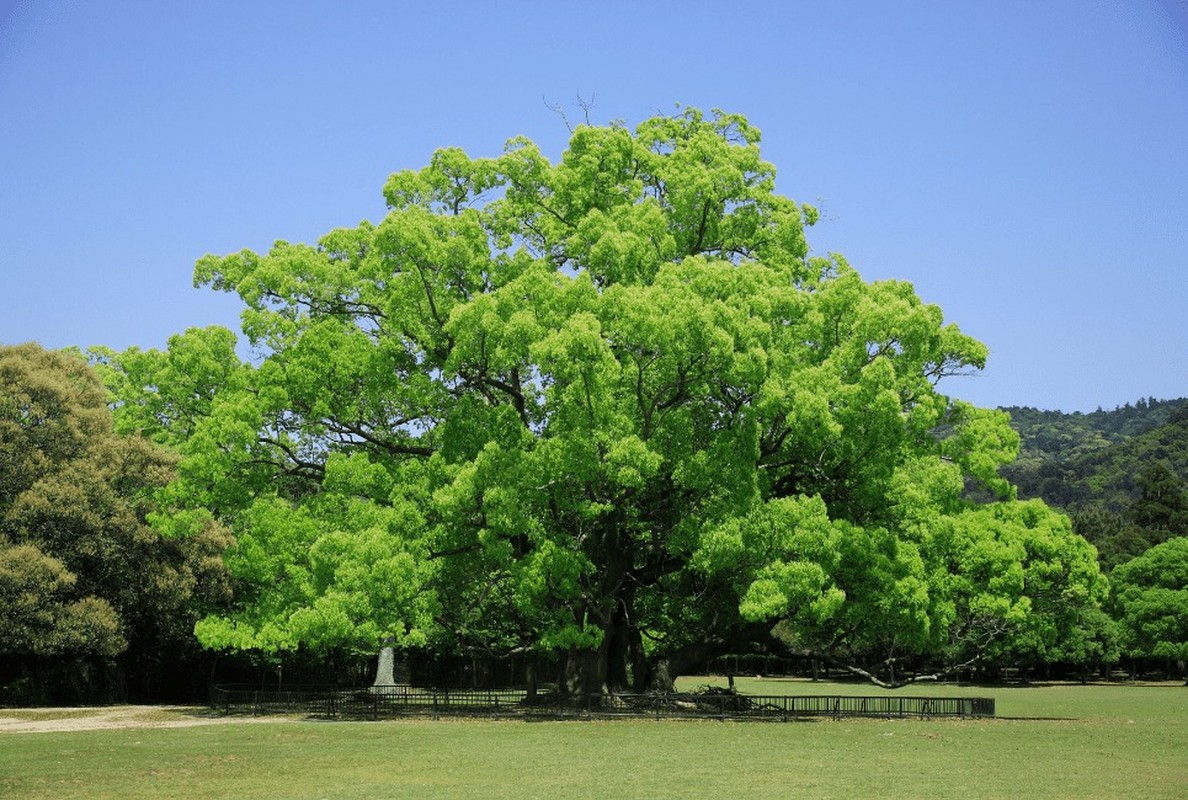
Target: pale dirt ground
point(47, 720)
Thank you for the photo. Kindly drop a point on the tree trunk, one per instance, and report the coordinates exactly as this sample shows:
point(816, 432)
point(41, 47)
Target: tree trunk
point(585, 673)
point(682, 661)
point(695, 655)
point(641, 668)
point(603, 670)
point(618, 649)
point(530, 679)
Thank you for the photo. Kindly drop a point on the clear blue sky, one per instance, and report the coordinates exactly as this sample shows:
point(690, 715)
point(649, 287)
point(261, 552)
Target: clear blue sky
point(1024, 164)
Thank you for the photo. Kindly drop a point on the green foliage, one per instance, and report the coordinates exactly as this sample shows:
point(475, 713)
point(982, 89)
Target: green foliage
point(1122, 475)
point(165, 395)
point(40, 618)
point(1162, 506)
point(610, 406)
point(1077, 460)
point(1151, 594)
point(81, 571)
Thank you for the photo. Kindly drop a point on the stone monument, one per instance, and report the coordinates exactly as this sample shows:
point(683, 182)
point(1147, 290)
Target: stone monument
point(385, 670)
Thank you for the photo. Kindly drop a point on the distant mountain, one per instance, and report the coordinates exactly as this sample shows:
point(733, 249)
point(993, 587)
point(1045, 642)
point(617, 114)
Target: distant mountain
point(1122, 475)
point(1073, 460)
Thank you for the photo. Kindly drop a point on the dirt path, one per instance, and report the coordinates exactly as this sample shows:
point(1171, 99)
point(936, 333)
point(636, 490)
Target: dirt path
point(47, 720)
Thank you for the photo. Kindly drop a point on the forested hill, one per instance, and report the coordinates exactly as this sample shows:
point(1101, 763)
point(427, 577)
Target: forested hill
point(1074, 459)
point(1121, 474)
point(1055, 434)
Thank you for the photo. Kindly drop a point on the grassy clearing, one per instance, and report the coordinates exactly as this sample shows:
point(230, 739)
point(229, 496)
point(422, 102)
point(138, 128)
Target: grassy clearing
point(1116, 741)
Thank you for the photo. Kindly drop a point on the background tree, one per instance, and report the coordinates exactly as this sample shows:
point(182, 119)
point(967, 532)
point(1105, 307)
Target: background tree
point(1115, 537)
point(85, 577)
point(1162, 506)
point(609, 408)
point(1151, 595)
point(40, 617)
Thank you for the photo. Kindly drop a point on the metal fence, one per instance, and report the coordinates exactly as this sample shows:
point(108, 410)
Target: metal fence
point(393, 701)
point(390, 701)
point(245, 698)
point(790, 707)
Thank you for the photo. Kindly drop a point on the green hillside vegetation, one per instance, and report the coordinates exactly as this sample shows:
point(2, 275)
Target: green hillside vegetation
point(1069, 434)
point(1074, 460)
point(1121, 475)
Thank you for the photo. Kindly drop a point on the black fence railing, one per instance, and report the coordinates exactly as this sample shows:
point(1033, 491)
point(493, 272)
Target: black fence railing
point(390, 701)
point(245, 698)
point(790, 707)
point(393, 701)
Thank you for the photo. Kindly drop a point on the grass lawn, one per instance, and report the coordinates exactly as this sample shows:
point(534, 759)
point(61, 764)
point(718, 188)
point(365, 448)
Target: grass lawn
point(1083, 742)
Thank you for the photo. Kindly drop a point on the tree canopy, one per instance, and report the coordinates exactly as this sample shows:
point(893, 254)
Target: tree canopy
point(610, 408)
point(1151, 592)
point(82, 573)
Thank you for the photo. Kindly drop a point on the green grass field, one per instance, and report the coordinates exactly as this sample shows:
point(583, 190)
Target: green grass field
point(1080, 742)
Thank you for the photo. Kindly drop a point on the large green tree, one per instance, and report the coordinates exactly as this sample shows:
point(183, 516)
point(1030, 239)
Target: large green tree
point(609, 408)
